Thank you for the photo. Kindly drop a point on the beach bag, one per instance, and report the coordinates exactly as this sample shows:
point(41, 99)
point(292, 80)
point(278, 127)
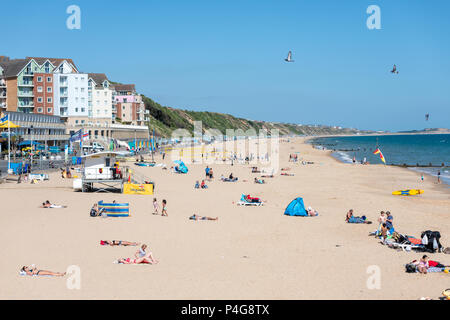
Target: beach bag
point(410, 268)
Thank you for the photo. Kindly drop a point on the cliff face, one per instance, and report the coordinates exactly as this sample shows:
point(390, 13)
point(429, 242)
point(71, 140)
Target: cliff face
point(165, 119)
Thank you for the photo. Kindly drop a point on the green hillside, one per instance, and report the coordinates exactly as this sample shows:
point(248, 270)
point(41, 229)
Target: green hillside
point(165, 119)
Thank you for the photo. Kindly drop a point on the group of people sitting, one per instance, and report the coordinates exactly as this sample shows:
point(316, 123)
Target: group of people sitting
point(47, 204)
point(203, 185)
point(230, 178)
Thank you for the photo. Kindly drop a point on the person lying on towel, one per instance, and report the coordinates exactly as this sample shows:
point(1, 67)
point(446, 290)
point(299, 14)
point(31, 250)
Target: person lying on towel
point(311, 212)
point(117, 243)
point(47, 204)
point(33, 271)
point(350, 218)
point(259, 181)
point(251, 199)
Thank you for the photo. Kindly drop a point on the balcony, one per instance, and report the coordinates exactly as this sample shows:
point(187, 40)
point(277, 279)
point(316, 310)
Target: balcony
point(26, 94)
point(26, 84)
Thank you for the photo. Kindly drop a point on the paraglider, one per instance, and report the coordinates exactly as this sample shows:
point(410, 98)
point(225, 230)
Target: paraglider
point(289, 57)
point(394, 69)
point(427, 116)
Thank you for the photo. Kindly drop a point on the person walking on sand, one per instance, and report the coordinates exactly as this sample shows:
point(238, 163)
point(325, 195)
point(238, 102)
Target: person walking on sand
point(439, 176)
point(155, 206)
point(164, 208)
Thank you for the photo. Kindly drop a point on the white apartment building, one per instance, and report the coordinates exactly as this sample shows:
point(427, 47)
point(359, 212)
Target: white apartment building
point(100, 103)
point(70, 92)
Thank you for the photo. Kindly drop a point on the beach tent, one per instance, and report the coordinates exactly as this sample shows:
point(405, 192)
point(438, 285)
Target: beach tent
point(296, 208)
point(181, 168)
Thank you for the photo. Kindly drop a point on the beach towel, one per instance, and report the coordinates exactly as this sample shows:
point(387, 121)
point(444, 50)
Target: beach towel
point(357, 219)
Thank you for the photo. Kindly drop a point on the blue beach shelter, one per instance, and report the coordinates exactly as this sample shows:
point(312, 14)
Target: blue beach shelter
point(296, 208)
point(181, 167)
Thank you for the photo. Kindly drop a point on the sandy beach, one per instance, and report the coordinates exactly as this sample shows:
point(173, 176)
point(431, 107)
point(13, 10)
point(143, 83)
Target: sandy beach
point(249, 253)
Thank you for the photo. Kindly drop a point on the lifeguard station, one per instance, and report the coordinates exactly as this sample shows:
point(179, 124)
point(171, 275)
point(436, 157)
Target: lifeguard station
point(101, 169)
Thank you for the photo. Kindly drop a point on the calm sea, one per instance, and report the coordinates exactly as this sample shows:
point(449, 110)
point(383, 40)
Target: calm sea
point(422, 149)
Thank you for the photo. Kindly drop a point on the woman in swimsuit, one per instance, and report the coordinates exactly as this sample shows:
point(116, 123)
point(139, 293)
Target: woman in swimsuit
point(33, 271)
point(146, 257)
point(117, 243)
point(196, 217)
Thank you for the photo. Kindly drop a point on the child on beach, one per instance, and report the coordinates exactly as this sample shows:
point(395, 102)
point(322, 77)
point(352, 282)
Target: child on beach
point(164, 208)
point(155, 206)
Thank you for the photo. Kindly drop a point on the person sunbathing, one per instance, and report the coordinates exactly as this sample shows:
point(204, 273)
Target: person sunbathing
point(117, 243)
point(255, 170)
point(267, 176)
point(311, 212)
point(350, 218)
point(422, 265)
point(287, 174)
point(251, 199)
point(285, 169)
point(259, 181)
point(33, 271)
point(135, 261)
point(47, 204)
point(196, 217)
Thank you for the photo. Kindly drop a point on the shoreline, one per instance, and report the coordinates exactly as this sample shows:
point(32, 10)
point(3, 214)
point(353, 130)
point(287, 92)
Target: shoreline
point(443, 185)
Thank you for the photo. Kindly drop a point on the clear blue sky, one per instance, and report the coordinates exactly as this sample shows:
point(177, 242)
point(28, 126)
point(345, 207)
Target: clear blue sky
point(227, 56)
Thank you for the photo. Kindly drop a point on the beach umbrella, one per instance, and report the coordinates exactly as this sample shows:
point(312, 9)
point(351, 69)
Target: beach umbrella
point(8, 124)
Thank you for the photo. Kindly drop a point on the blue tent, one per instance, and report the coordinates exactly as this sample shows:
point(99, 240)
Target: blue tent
point(181, 167)
point(296, 208)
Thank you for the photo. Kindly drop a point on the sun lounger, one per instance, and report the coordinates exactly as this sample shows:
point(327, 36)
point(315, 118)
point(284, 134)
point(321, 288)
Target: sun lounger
point(245, 202)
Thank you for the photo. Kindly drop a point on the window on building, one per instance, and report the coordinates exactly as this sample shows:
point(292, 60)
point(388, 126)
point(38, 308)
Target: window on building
point(82, 121)
point(49, 110)
point(39, 89)
point(76, 109)
point(49, 89)
point(49, 79)
point(49, 100)
point(39, 99)
point(39, 79)
point(82, 89)
point(39, 110)
point(82, 109)
point(82, 100)
point(76, 121)
point(76, 99)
